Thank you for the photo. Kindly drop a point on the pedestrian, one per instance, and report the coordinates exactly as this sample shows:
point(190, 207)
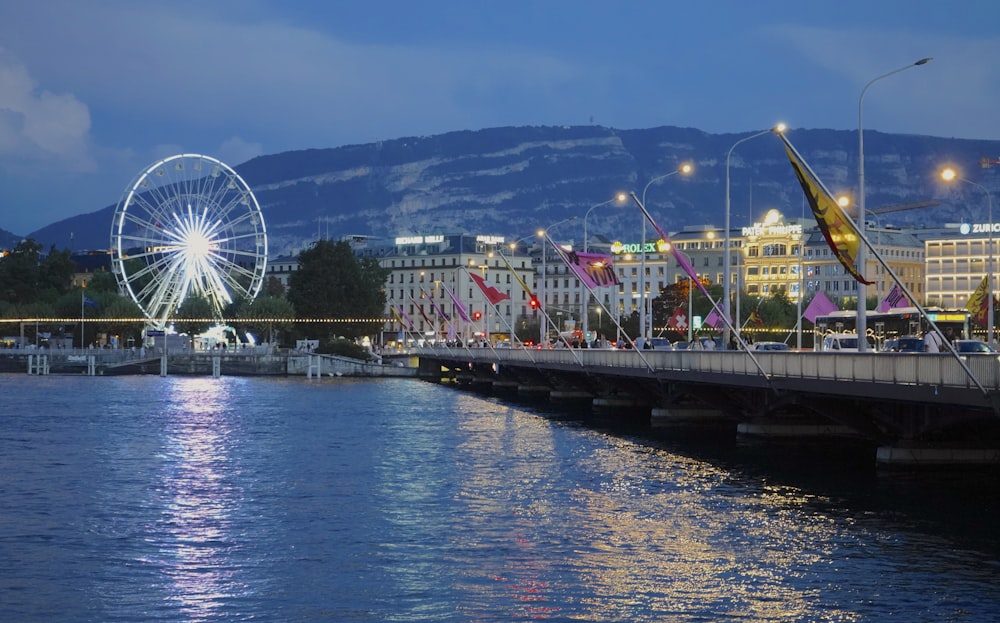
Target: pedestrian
point(932, 342)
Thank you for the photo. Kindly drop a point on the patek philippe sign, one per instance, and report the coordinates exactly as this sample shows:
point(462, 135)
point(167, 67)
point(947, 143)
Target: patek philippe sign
point(766, 229)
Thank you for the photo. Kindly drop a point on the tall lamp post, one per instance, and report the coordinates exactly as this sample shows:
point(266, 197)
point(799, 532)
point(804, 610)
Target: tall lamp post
point(543, 234)
point(862, 323)
point(685, 169)
point(726, 294)
point(584, 292)
point(950, 175)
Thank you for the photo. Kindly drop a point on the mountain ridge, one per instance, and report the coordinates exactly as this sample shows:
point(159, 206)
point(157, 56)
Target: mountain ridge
point(512, 180)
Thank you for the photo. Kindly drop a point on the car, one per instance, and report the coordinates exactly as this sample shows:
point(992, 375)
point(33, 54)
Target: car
point(905, 344)
point(770, 346)
point(973, 347)
point(842, 343)
point(660, 343)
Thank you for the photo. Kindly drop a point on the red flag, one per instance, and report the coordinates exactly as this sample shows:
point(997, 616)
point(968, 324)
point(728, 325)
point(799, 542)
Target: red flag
point(678, 320)
point(492, 295)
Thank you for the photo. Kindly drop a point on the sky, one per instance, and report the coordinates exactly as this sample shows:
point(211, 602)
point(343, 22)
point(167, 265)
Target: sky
point(93, 92)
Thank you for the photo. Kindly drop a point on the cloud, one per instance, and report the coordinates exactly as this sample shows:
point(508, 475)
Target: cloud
point(235, 151)
point(39, 125)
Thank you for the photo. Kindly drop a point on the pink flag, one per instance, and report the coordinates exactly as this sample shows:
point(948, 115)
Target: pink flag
point(682, 259)
point(594, 269)
point(492, 295)
point(460, 308)
point(893, 299)
point(818, 306)
point(714, 320)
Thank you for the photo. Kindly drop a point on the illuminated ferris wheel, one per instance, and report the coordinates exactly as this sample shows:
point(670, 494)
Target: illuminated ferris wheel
point(188, 226)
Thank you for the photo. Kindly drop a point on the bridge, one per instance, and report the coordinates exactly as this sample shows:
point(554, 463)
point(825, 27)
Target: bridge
point(915, 409)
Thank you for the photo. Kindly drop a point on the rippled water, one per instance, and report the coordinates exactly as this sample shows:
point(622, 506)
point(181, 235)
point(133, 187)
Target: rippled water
point(200, 499)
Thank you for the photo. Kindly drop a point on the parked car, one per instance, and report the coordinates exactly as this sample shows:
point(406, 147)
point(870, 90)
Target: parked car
point(905, 344)
point(769, 346)
point(973, 347)
point(660, 343)
point(842, 343)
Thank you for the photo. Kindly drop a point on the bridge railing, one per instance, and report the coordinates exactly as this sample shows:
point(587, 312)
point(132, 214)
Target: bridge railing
point(886, 368)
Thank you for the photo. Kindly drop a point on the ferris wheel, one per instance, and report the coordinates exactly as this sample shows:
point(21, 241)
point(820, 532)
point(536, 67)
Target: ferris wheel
point(188, 226)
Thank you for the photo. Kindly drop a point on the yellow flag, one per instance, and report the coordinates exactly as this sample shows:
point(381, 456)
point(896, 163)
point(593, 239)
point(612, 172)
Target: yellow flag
point(978, 304)
point(838, 228)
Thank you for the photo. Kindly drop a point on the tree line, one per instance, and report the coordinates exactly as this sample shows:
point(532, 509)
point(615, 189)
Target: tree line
point(330, 283)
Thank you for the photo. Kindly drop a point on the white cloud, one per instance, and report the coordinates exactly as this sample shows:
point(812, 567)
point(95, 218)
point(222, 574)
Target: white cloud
point(235, 151)
point(38, 125)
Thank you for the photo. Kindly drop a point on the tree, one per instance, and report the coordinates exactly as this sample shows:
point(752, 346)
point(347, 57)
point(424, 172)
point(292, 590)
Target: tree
point(19, 273)
point(55, 274)
point(332, 283)
point(267, 315)
point(273, 288)
point(194, 316)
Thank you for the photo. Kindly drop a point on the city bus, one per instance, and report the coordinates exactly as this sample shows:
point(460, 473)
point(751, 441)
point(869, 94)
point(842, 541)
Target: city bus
point(893, 324)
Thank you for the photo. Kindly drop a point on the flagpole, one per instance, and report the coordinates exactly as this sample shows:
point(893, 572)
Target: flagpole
point(888, 269)
point(501, 316)
point(686, 266)
point(590, 291)
point(82, 299)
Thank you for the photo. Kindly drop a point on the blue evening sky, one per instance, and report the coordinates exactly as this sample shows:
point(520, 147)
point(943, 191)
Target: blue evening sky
point(92, 92)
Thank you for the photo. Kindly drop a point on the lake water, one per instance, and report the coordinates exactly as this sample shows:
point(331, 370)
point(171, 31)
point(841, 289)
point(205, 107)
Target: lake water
point(259, 499)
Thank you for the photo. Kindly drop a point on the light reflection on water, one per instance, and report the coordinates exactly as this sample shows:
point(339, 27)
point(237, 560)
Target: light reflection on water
point(234, 499)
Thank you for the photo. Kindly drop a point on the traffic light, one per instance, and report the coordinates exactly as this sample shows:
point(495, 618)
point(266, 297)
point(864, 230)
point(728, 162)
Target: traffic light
point(533, 303)
point(477, 315)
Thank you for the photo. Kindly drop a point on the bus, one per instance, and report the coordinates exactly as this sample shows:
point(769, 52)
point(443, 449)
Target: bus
point(893, 324)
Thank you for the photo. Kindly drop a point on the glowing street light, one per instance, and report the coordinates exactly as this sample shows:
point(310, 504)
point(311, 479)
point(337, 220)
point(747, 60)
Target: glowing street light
point(726, 294)
point(686, 169)
point(862, 324)
point(585, 293)
point(950, 175)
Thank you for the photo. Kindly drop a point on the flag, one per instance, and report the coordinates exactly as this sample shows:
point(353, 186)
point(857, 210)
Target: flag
point(755, 319)
point(678, 320)
point(438, 311)
point(679, 256)
point(460, 308)
point(839, 230)
point(423, 314)
point(714, 320)
point(492, 295)
point(978, 304)
point(594, 269)
point(89, 302)
point(406, 319)
point(819, 306)
point(893, 299)
point(531, 294)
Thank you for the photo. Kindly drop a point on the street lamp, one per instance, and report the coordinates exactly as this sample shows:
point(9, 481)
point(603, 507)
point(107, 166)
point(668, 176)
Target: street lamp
point(585, 292)
point(726, 295)
point(543, 234)
point(950, 175)
point(686, 170)
point(861, 260)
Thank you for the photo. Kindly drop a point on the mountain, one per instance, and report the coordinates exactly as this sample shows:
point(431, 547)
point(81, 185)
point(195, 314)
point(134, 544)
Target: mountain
point(511, 181)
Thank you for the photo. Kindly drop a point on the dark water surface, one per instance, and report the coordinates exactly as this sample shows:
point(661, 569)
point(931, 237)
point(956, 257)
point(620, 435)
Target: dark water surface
point(238, 499)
